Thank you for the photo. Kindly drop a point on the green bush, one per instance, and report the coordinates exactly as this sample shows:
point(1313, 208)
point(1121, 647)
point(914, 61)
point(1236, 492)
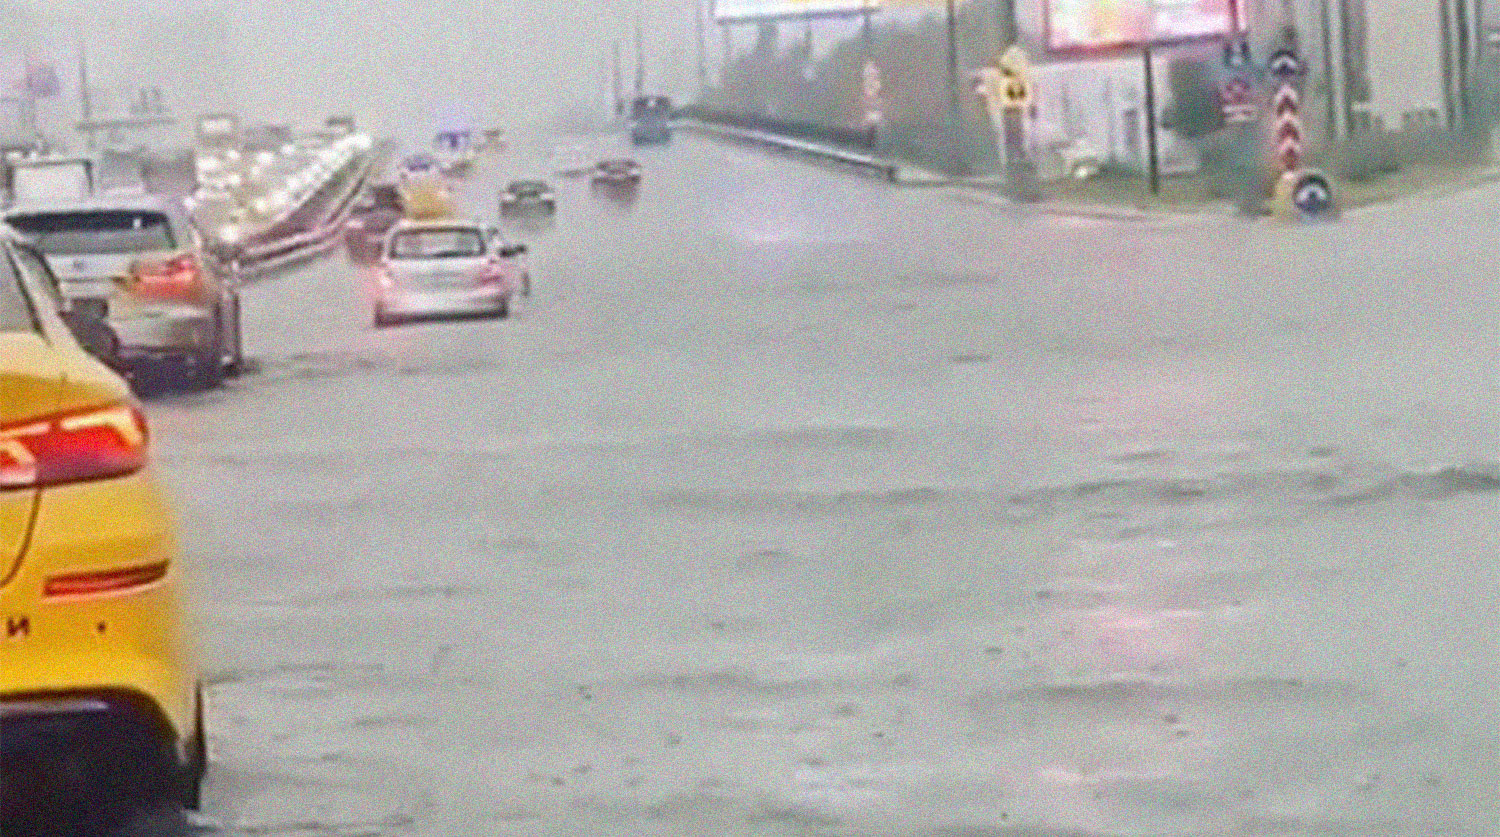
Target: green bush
point(1195, 109)
point(1365, 157)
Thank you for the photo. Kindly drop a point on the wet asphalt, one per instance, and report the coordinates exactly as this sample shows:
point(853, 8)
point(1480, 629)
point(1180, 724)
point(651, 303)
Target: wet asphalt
point(796, 503)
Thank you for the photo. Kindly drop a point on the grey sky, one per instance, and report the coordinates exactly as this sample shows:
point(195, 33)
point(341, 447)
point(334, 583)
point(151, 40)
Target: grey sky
point(394, 62)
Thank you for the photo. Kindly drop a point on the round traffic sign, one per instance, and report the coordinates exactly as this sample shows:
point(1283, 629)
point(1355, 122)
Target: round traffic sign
point(1305, 195)
point(1312, 195)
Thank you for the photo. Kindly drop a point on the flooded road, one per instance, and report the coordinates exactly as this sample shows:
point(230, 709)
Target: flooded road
point(793, 503)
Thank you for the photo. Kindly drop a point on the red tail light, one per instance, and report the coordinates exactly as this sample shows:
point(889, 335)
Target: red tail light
point(94, 444)
point(493, 272)
point(176, 277)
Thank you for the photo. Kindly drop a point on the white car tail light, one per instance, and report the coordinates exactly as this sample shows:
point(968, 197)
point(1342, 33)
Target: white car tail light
point(180, 276)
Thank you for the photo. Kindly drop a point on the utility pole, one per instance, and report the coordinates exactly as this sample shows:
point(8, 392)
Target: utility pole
point(1331, 131)
point(699, 30)
point(85, 103)
point(867, 33)
point(619, 103)
point(640, 56)
point(955, 105)
point(1153, 169)
point(1019, 176)
point(1464, 53)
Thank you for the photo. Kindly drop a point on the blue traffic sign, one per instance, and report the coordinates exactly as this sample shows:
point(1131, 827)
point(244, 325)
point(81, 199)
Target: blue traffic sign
point(1313, 195)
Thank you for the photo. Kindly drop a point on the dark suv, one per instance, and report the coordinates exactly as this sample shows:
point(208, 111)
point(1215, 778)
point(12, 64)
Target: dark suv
point(376, 212)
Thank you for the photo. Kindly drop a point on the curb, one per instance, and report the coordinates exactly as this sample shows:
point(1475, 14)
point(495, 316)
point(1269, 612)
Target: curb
point(1435, 192)
point(1095, 212)
point(982, 190)
point(867, 164)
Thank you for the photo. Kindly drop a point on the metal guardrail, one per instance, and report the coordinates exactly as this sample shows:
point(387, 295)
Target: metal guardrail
point(258, 260)
point(865, 163)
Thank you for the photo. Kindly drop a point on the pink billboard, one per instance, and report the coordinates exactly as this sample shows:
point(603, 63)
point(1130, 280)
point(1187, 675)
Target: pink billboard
point(1104, 24)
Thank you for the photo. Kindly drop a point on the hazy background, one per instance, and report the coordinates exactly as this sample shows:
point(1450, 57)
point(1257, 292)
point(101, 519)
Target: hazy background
point(398, 65)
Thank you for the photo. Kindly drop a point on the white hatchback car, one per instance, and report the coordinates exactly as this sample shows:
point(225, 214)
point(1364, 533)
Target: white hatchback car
point(447, 268)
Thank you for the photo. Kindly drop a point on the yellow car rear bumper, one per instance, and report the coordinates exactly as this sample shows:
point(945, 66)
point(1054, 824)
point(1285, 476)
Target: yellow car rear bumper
point(131, 640)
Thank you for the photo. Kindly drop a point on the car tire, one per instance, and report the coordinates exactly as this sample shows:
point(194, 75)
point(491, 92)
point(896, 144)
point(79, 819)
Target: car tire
point(208, 370)
point(382, 319)
point(207, 365)
point(234, 353)
point(503, 311)
point(196, 768)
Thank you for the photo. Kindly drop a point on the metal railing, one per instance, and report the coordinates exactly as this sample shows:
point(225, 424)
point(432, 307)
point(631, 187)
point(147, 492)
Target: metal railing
point(331, 204)
point(821, 151)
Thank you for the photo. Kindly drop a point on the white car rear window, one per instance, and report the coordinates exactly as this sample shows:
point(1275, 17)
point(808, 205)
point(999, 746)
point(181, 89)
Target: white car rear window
point(457, 243)
point(97, 232)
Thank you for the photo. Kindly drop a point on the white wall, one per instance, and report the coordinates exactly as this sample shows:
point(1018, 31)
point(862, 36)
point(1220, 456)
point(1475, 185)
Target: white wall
point(1406, 55)
point(1103, 102)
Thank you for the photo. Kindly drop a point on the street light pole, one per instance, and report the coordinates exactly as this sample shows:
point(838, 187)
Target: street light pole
point(955, 111)
point(85, 103)
point(619, 80)
point(640, 56)
point(1153, 168)
point(699, 29)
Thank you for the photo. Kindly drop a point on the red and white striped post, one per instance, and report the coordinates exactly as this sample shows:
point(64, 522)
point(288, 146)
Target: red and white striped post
point(1287, 128)
point(1286, 119)
point(1301, 193)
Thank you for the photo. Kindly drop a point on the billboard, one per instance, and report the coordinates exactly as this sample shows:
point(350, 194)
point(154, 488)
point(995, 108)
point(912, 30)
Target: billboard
point(728, 11)
point(1104, 24)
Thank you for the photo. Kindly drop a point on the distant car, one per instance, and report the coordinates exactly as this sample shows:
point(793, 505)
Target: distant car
point(528, 196)
point(651, 120)
point(139, 263)
point(420, 164)
point(370, 220)
point(620, 172)
point(651, 132)
point(446, 268)
point(427, 197)
point(101, 715)
point(455, 153)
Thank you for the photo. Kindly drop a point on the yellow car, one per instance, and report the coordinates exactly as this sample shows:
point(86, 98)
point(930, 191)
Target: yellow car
point(101, 718)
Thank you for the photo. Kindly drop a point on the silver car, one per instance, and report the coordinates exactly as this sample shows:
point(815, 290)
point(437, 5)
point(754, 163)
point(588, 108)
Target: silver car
point(446, 268)
point(137, 261)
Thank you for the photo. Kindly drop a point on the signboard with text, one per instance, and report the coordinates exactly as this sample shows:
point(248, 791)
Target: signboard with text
point(1074, 25)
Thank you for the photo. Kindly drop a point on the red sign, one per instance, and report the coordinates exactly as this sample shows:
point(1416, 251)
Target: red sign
point(1238, 100)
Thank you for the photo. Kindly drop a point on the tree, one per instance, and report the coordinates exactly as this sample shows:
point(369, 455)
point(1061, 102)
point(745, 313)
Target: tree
point(1195, 110)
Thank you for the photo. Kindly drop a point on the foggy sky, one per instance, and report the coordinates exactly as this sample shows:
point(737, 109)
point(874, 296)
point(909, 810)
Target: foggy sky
point(398, 65)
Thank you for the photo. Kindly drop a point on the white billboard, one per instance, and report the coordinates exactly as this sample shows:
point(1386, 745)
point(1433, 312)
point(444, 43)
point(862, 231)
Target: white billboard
point(726, 11)
point(1120, 24)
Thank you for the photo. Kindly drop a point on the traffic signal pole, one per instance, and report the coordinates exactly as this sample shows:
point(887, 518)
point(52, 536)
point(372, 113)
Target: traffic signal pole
point(1019, 177)
point(1153, 168)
